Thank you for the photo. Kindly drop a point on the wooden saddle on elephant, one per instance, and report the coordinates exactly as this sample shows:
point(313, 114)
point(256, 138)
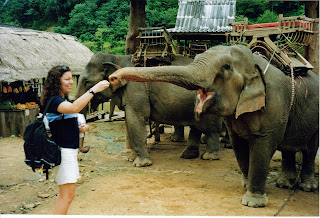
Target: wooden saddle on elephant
point(281, 42)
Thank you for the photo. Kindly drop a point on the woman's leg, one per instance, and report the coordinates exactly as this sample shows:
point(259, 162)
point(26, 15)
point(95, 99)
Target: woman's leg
point(64, 199)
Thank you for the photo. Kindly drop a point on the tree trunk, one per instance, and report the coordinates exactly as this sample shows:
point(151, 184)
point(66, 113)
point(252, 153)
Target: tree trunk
point(311, 52)
point(137, 19)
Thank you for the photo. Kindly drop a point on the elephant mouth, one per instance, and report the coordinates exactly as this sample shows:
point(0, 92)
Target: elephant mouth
point(203, 96)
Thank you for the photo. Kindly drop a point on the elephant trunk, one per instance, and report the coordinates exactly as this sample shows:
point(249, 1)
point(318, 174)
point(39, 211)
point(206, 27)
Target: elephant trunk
point(189, 77)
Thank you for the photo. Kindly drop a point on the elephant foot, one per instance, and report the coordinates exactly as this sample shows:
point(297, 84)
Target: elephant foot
point(286, 180)
point(244, 181)
point(132, 156)
point(190, 153)
point(210, 155)
point(254, 200)
point(176, 138)
point(309, 184)
point(142, 162)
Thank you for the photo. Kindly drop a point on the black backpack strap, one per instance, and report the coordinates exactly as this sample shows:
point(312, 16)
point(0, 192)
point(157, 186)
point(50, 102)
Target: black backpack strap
point(47, 105)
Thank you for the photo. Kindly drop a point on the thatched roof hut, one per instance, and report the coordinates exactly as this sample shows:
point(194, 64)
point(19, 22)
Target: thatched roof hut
point(27, 54)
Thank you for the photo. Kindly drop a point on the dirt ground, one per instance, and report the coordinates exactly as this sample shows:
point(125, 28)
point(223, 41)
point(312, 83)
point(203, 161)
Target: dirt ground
point(172, 186)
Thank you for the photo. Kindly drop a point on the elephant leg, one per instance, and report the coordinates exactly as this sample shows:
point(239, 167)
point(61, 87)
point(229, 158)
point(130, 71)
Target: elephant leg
point(192, 149)
point(241, 150)
point(112, 106)
point(307, 175)
point(226, 141)
point(259, 161)
point(213, 147)
point(178, 134)
point(137, 134)
point(288, 172)
point(157, 132)
point(225, 136)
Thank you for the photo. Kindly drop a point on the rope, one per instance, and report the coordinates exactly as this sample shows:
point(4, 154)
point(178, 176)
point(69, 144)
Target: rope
point(277, 45)
point(286, 202)
point(293, 91)
point(292, 192)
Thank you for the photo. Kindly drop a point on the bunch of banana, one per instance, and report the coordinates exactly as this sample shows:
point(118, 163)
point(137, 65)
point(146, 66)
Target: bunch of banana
point(21, 106)
point(26, 88)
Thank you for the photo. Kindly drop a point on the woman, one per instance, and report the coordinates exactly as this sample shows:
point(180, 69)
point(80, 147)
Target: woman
point(65, 130)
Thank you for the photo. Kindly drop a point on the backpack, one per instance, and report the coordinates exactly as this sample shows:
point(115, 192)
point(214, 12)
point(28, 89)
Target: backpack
point(40, 150)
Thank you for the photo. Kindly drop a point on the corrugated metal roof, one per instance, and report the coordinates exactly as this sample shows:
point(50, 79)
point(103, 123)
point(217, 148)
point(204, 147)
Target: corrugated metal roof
point(205, 16)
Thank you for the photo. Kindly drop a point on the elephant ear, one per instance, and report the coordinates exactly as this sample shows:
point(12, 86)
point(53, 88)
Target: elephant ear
point(111, 66)
point(252, 97)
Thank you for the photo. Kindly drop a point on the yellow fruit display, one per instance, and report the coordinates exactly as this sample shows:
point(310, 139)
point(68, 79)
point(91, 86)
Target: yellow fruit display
point(31, 104)
point(26, 105)
point(21, 106)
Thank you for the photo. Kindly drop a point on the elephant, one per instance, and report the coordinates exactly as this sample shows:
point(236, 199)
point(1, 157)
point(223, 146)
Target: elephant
point(263, 109)
point(160, 102)
point(108, 63)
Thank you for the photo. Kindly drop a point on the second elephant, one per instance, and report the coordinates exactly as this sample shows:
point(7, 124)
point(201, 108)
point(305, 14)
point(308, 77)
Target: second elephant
point(161, 102)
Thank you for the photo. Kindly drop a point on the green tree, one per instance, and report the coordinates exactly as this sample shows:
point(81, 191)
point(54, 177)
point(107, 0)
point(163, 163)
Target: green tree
point(103, 25)
point(268, 17)
point(82, 23)
point(255, 9)
point(36, 14)
point(164, 17)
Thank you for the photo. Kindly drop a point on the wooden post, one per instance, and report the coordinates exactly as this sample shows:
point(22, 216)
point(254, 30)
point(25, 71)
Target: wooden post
point(311, 52)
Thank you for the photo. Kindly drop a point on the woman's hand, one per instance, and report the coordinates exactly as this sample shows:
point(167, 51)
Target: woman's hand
point(100, 86)
point(83, 128)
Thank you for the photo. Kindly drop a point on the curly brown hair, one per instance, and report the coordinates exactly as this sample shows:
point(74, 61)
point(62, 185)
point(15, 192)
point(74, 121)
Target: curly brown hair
point(52, 84)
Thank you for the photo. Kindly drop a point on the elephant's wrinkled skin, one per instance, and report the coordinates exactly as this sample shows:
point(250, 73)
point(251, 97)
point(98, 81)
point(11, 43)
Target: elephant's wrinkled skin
point(256, 109)
point(161, 102)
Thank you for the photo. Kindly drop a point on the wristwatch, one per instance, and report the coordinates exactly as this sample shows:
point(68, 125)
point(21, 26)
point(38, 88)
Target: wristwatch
point(92, 92)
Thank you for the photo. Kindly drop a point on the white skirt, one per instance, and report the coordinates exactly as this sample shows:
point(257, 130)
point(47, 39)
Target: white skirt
point(68, 170)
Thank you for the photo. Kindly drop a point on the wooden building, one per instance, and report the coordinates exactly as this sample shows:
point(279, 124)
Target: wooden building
point(25, 58)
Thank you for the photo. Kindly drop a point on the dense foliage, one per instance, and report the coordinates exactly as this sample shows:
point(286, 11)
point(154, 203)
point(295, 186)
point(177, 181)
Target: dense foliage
point(102, 24)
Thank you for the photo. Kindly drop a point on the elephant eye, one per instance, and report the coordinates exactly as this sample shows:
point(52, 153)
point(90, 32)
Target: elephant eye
point(226, 67)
